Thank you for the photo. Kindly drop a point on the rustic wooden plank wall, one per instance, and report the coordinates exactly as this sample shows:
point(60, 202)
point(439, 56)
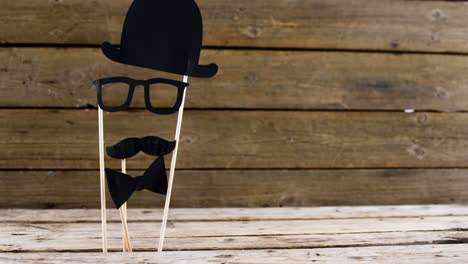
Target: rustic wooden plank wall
point(306, 110)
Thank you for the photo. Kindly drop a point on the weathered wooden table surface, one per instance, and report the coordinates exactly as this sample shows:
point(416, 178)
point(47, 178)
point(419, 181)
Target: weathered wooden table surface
point(370, 234)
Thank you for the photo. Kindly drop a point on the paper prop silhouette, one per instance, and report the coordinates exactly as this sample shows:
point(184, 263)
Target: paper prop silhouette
point(164, 35)
point(180, 86)
point(122, 186)
point(129, 147)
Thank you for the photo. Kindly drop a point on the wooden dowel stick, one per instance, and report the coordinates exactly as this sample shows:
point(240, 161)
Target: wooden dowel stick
point(124, 240)
point(123, 215)
point(124, 220)
point(171, 174)
point(129, 244)
point(126, 235)
point(102, 180)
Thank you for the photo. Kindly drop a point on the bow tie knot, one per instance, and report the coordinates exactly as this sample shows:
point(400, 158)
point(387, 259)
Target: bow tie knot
point(139, 183)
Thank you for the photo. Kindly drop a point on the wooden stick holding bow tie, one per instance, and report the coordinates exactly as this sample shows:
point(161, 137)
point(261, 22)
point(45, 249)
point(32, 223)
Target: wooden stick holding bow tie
point(123, 209)
point(171, 174)
point(127, 246)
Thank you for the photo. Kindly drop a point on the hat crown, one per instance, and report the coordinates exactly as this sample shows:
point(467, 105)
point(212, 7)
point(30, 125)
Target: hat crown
point(164, 35)
point(167, 31)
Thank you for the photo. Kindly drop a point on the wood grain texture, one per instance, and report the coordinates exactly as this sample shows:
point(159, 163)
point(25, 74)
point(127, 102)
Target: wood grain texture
point(365, 234)
point(245, 188)
point(330, 24)
point(58, 77)
point(55, 139)
point(51, 230)
point(56, 235)
point(82, 237)
point(28, 241)
point(232, 214)
point(248, 228)
point(441, 254)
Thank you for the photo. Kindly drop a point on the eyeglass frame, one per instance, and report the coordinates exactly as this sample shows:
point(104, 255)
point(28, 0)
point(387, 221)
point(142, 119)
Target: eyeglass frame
point(131, 89)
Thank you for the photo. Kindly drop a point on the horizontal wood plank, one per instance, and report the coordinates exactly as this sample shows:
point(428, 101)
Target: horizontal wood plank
point(245, 188)
point(248, 228)
point(51, 230)
point(417, 236)
point(232, 214)
point(29, 240)
point(50, 77)
point(55, 139)
point(54, 236)
point(326, 24)
point(441, 254)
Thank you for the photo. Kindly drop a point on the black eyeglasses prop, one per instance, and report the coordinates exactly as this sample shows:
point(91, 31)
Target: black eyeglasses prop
point(132, 83)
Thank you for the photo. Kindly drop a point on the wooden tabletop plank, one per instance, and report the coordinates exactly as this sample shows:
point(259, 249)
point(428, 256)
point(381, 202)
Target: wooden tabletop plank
point(233, 214)
point(51, 77)
point(244, 188)
point(383, 254)
point(243, 228)
point(326, 24)
point(274, 233)
point(240, 139)
point(377, 233)
point(27, 241)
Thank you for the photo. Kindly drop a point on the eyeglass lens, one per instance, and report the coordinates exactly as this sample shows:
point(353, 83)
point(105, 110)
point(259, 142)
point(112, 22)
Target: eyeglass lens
point(115, 94)
point(162, 95)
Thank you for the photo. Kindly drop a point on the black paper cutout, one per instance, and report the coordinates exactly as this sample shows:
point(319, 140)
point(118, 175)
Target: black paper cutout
point(151, 145)
point(121, 186)
point(164, 35)
point(132, 83)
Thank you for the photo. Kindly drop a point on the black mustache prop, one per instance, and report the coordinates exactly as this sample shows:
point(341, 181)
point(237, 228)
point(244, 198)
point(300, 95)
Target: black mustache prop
point(122, 186)
point(151, 145)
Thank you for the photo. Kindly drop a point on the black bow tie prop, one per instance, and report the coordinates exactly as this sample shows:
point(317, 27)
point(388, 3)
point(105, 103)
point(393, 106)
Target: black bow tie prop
point(121, 186)
point(163, 35)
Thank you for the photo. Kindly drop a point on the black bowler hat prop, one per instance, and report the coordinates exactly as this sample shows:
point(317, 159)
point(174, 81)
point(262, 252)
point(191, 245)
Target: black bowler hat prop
point(164, 35)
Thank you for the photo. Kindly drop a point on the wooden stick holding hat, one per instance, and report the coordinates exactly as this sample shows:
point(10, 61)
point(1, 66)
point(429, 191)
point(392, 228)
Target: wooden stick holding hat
point(172, 171)
point(102, 180)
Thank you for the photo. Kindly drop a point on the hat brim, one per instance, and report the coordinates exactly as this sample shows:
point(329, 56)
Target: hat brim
point(198, 71)
point(204, 71)
point(112, 53)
